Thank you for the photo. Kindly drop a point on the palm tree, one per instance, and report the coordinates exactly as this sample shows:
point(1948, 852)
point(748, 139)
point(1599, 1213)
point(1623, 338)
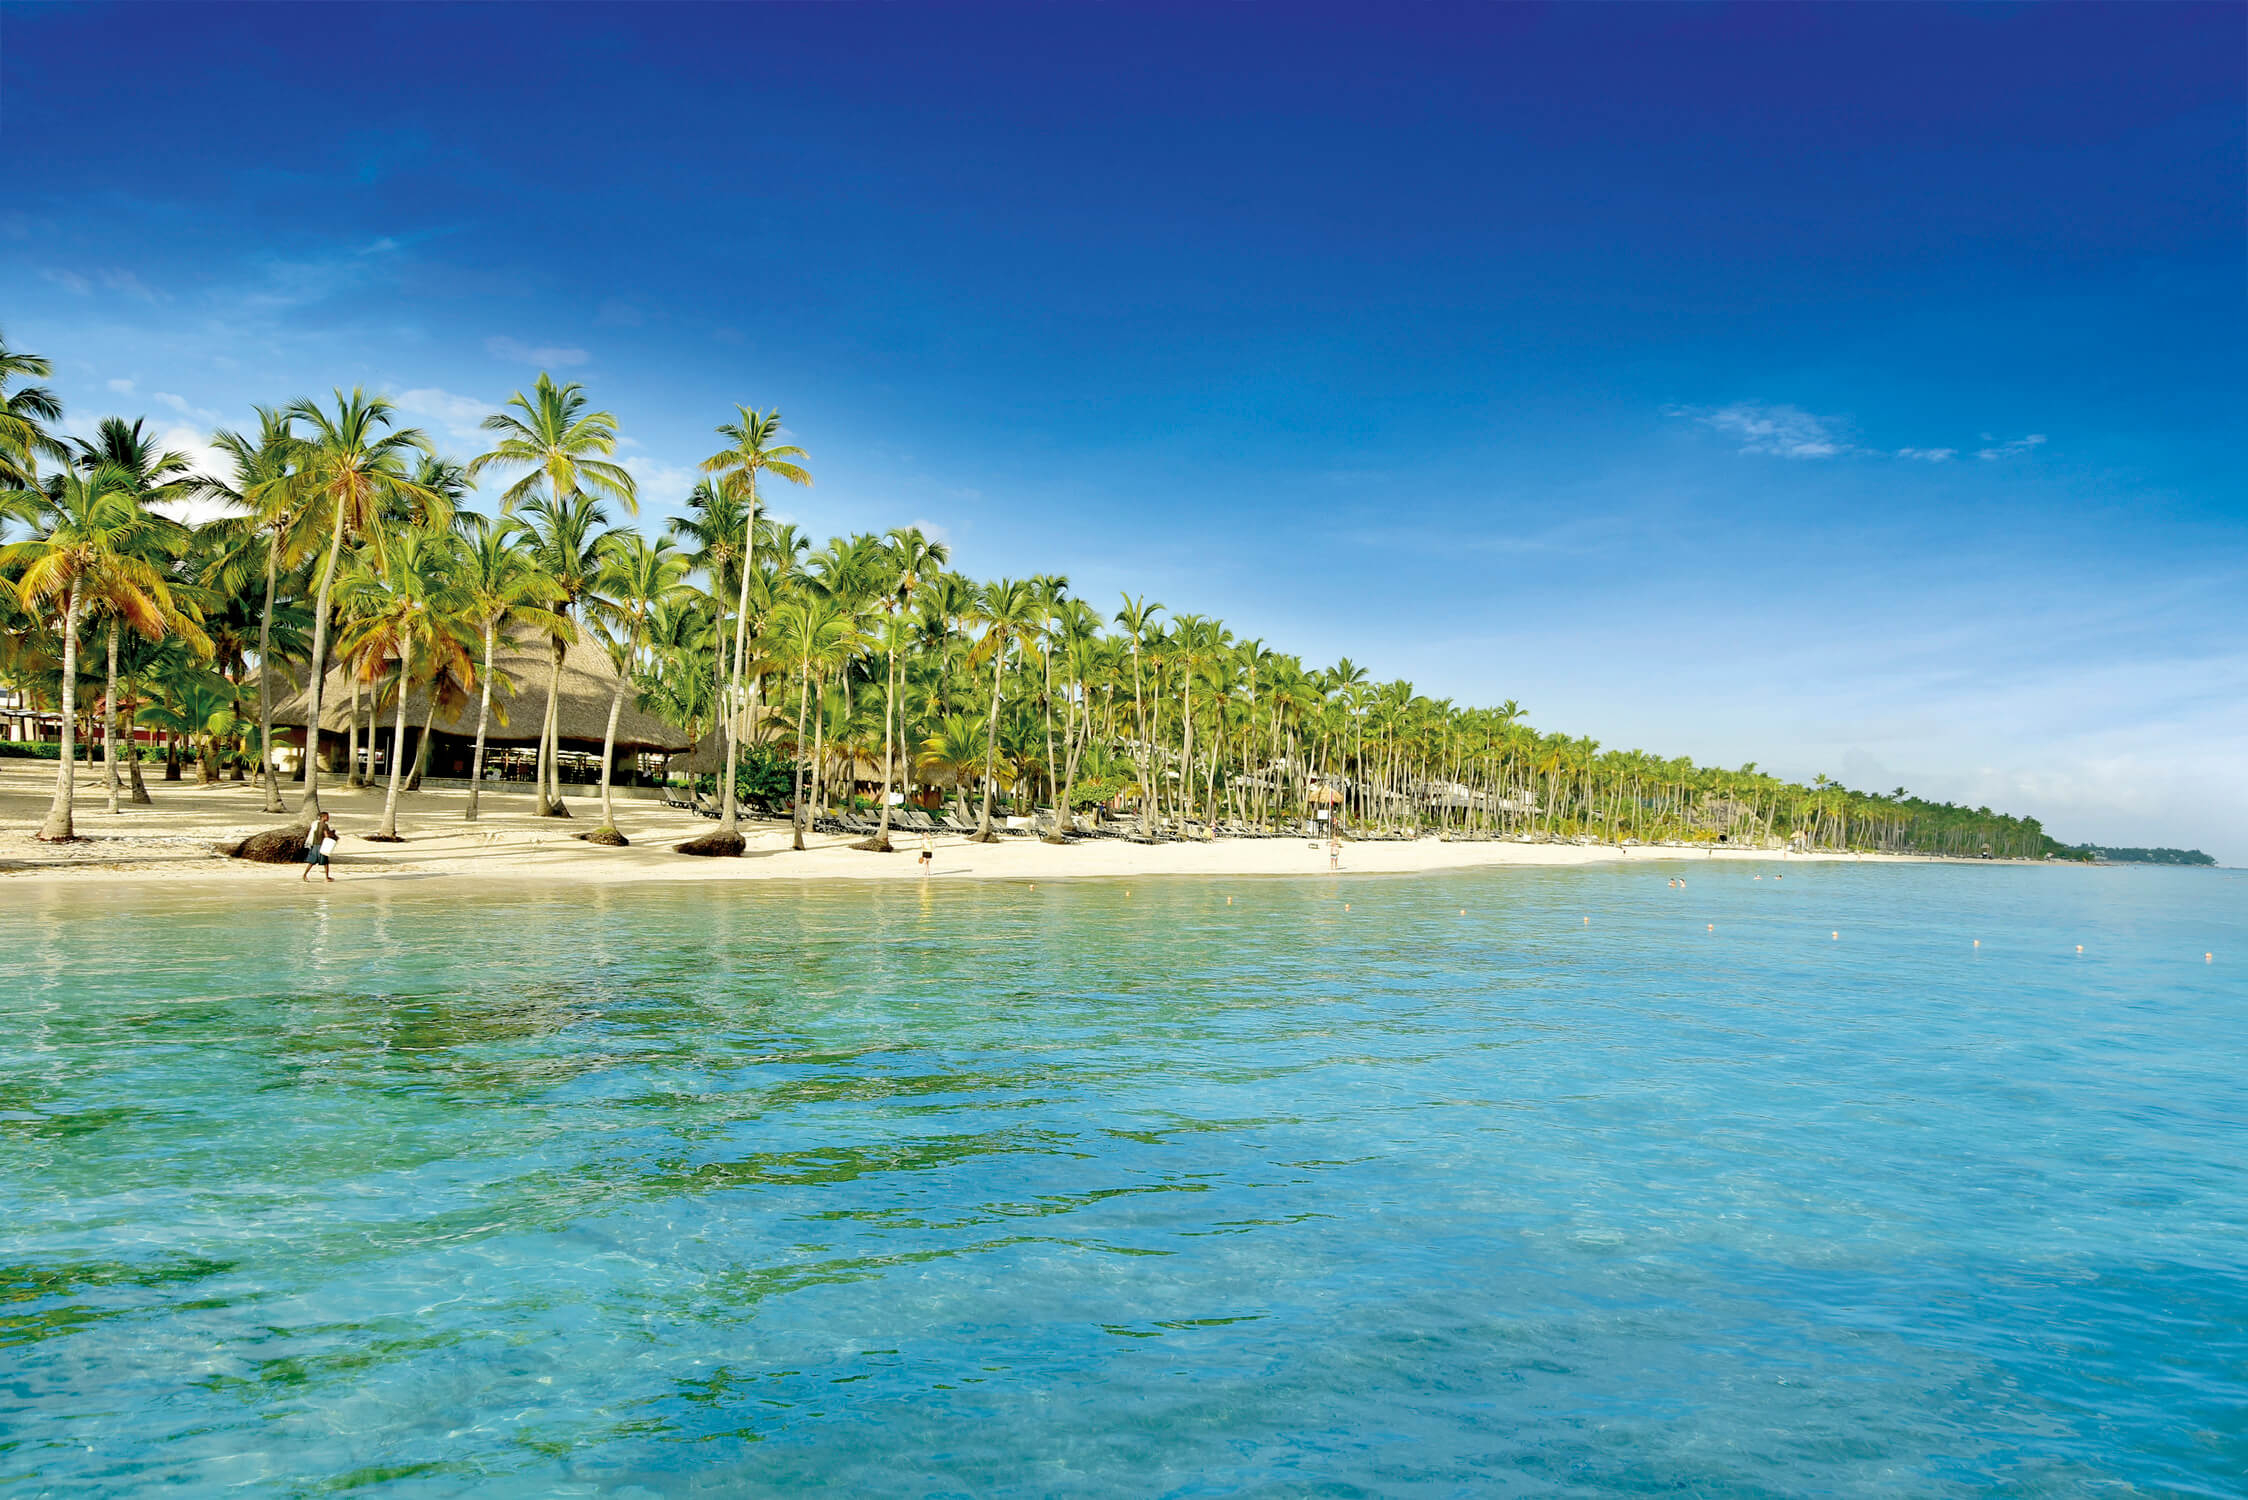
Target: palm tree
point(914, 557)
point(567, 544)
point(412, 602)
point(272, 528)
point(24, 415)
point(957, 746)
point(1137, 616)
point(351, 466)
point(638, 578)
point(505, 587)
point(714, 531)
point(752, 451)
point(814, 633)
point(157, 477)
point(555, 439)
point(90, 522)
point(1008, 610)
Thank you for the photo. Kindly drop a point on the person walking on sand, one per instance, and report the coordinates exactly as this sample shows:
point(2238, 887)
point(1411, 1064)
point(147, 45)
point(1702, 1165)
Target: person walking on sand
point(928, 853)
point(318, 845)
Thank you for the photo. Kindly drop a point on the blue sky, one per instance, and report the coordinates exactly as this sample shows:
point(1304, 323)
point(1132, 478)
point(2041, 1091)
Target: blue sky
point(1849, 389)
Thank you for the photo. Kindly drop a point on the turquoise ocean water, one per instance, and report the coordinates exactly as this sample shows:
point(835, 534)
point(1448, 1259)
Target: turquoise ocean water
point(994, 1190)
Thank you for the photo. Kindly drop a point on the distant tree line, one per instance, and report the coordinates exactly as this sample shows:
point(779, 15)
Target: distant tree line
point(864, 665)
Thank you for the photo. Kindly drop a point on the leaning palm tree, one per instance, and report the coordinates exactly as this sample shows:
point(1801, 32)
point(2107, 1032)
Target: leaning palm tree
point(506, 587)
point(638, 578)
point(88, 524)
point(411, 604)
point(351, 466)
point(1008, 610)
point(752, 451)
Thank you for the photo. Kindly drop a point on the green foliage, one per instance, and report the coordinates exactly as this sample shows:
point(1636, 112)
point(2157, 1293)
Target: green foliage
point(2144, 856)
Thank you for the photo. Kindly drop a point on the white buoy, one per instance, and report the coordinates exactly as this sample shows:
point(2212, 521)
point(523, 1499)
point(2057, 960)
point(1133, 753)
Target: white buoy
point(1837, 937)
point(1713, 927)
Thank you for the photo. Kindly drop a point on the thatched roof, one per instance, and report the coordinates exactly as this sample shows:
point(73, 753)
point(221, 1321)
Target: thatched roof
point(519, 684)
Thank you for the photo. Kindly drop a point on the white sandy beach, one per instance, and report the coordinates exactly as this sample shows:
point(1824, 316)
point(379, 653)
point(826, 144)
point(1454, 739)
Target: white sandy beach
point(174, 841)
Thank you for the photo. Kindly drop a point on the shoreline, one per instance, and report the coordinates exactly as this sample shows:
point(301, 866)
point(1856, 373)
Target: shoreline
point(172, 843)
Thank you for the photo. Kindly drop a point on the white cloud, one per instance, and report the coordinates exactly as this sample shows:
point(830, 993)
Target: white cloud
point(1781, 431)
point(204, 460)
point(516, 351)
point(179, 404)
point(128, 283)
point(381, 246)
point(458, 415)
point(2013, 449)
point(659, 483)
point(69, 281)
point(121, 387)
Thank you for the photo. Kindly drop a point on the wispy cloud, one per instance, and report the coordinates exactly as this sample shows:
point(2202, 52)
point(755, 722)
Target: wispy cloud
point(659, 483)
point(458, 415)
point(69, 281)
point(381, 246)
point(121, 387)
point(617, 313)
point(2014, 449)
point(1782, 431)
point(180, 405)
point(516, 351)
point(1779, 430)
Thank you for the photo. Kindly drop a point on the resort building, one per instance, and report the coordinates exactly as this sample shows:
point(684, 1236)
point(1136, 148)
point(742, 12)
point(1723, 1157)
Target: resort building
point(364, 729)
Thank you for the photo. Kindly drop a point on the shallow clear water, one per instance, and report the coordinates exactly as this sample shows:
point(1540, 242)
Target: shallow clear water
point(999, 1190)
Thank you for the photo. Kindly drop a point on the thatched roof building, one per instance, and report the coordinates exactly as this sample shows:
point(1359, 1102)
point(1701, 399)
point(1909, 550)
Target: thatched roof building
point(522, 668)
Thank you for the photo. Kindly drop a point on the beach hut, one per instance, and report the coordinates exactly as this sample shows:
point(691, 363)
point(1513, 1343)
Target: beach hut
point(522, 669)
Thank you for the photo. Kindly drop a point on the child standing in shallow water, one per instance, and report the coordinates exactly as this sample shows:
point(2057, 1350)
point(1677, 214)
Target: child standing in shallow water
point(316, 846)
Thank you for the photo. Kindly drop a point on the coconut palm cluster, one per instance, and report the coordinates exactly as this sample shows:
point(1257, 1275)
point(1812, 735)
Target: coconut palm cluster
point(850, 683)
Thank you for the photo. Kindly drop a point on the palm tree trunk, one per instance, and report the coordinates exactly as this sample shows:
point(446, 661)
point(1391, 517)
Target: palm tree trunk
point(309, 807)
point(881, 839)
point(550, 806)
point(421, 741)
point(609, 753)
point(983, 834)
point(1072, 747)
point(729, 818)
point(819, 751)
point(796, 811)
point(483, 717)
point(272, 780)
point(109, 722)
point(139, 788)
point(397, 743)
point(58, 826)
point(351, 772)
